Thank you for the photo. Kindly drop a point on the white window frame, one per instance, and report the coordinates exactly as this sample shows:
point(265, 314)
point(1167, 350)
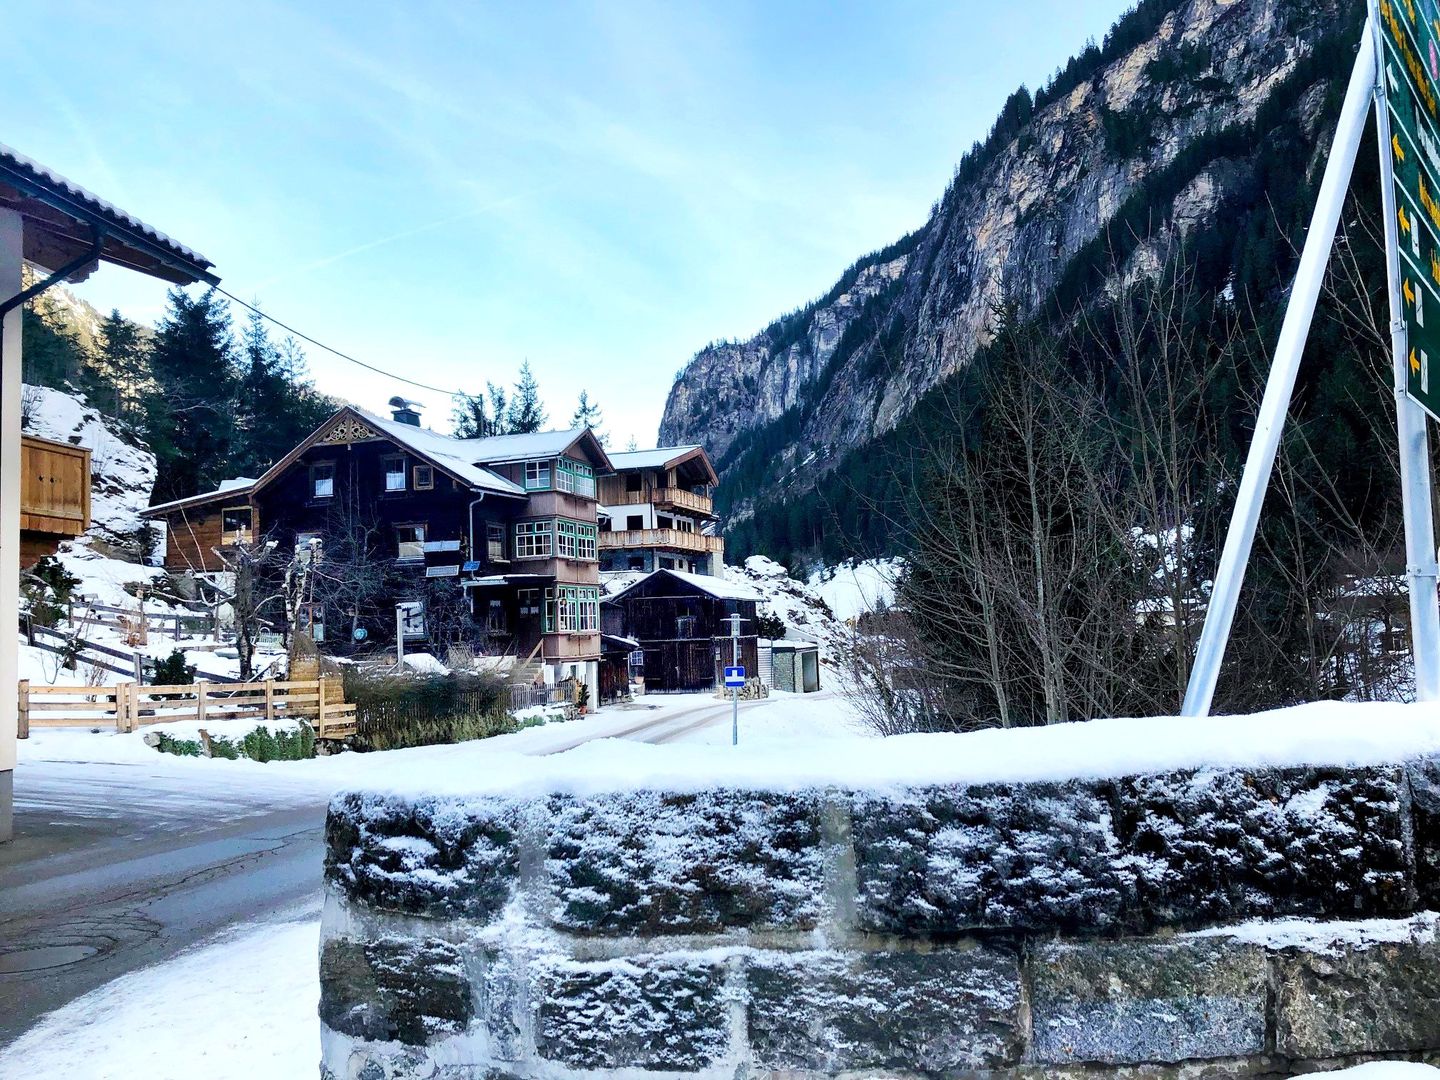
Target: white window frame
point(538, 475)
point(411, 550)
point(327, 482)
point(534, 539)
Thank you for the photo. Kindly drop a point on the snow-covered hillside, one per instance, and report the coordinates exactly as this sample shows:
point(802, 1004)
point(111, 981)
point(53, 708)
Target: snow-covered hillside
point(854, 588)
point(122, 470)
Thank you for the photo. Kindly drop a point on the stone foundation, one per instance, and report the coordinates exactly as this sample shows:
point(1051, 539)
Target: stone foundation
point(1195, 924)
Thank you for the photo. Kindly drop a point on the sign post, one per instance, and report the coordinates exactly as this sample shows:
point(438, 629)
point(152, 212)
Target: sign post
point(1417, 114)
point(734, 677)
point(1407, 118)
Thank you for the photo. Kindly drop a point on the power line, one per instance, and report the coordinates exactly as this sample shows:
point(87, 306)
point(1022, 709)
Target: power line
point(337, 352)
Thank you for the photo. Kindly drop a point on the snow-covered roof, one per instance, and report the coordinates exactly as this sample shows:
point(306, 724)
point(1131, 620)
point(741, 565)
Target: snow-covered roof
point(497, 449)
point(658, 458)
point(123, 230)
point(239, 485)
point(455, 456)
point(720, 588)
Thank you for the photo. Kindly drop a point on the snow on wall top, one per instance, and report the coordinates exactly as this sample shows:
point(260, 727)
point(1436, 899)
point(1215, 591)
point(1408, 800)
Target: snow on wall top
point(1321, 734)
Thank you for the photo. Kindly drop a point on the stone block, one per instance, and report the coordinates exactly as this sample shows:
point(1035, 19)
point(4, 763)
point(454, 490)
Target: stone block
point(1134, 1002)
point(631, 1014)
point(916, 1012)
point(394, 989)
point(685, 863)
point(1383, 999)
point(997, 856)
point(1424, 778)
point(1223, 846)
point(432, 857)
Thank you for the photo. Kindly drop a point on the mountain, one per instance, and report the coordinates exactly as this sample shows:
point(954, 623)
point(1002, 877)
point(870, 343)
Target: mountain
point(1198, 126)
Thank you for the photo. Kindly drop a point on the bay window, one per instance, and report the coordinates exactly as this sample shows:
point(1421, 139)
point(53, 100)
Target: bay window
point(534, 539)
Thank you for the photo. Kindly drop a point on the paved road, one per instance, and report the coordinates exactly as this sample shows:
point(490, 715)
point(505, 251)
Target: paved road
point(116, 867)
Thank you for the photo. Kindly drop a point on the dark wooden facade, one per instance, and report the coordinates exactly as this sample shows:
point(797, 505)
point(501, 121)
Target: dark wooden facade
point(682, 631)
point(356, 482)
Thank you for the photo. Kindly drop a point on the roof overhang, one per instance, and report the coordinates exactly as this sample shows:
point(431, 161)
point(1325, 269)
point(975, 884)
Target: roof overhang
point(62, 221)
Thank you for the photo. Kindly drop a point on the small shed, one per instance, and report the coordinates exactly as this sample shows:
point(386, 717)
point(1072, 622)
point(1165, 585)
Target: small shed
point(795, 666)
point(680, 622)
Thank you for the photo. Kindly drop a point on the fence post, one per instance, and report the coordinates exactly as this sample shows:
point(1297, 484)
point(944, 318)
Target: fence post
point(200, 701)
point(23, 717)
point(320, 707)
point(139, 667)
point(269, 699)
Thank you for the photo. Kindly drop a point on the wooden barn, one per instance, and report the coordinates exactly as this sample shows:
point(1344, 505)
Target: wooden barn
point(54, 496)
point(679, 621)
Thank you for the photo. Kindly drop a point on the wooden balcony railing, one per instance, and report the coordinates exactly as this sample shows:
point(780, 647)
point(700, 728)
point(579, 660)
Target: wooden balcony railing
point(671, 539)
point(679, 498)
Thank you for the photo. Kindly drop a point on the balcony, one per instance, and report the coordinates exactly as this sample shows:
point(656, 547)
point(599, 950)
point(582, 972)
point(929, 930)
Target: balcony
point(677, 498)
point(668, 539)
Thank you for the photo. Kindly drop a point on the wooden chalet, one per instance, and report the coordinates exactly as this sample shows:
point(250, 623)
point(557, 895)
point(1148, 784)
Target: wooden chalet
point(54, 496)
point(659, 512)
point(678, 620)
point(510, 520)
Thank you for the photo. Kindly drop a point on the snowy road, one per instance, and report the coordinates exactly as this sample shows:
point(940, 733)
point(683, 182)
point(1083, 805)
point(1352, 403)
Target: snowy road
point(123, 863)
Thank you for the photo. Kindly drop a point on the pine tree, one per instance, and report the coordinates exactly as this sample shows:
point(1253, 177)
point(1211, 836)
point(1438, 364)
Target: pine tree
point(124, 358)
point(588, 415)
point(469, 418)
point(276, 406)
point(189, 413)
point(525, 413)
point(498, 409)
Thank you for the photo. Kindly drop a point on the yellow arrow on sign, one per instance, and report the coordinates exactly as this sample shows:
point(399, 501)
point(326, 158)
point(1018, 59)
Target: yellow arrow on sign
point(1414, 364)
point(1395, 145)
point(1409, 292)
point(1405, 220)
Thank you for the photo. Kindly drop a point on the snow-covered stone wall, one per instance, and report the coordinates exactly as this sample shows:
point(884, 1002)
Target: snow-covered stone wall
point(1201, 922)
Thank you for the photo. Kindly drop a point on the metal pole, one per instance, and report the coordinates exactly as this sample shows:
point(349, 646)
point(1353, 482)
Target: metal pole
point(1281, 383)
point(1411, 427)
point(399, 638)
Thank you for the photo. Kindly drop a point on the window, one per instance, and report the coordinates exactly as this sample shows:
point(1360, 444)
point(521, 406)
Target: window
point(534, 539)
point(495, 618)
point(394, 473)
point(575, 477)
point(684, 626)
point(410, 542)
point(423, 477)
point(236, 519)
point(635, 522)
point(572, 609)
point(495, 542)
point(575, 540)
point(637, 562)
point(322, 479)
point(529, 601)
point(634, 481)
point(537, 476)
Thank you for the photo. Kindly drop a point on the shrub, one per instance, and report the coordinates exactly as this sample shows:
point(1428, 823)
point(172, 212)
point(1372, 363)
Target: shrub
point(261, 744)
point(173, 670)
point(393, 712)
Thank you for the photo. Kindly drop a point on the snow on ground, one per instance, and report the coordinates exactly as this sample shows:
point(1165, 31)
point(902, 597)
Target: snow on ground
point(1387, 1070)
point(854, 588)
point(122, 472)
point(805, 613)
point(240, 1006)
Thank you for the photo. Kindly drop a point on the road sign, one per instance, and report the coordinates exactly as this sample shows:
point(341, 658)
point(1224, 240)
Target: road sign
point(734, 676)
point(1410, 75)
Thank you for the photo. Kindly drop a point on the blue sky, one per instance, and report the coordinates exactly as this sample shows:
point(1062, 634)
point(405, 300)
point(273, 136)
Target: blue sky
point(446, 190)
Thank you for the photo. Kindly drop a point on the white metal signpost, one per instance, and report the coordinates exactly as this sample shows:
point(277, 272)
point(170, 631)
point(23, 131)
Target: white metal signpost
point(734, 677)
point(1398, 71)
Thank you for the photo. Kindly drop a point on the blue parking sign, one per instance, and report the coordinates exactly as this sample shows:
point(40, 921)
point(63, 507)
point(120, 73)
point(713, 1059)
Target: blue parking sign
point(734, 676)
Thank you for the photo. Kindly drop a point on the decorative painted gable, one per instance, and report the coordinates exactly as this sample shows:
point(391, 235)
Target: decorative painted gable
point(348, 429)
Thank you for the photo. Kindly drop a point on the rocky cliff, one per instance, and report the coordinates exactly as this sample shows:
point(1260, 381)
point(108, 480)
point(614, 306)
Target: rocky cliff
point(1171, 112)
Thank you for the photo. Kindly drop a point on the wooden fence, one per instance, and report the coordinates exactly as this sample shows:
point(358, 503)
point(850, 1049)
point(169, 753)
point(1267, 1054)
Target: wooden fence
point(129, 706)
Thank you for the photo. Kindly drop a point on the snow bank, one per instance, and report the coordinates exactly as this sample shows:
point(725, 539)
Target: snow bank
point(1327, 733)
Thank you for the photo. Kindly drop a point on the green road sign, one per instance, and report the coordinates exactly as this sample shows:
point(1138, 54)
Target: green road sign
point(1409, 76)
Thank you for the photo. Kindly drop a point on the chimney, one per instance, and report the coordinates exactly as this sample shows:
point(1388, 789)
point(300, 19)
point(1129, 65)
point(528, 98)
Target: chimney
point(405, 412)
